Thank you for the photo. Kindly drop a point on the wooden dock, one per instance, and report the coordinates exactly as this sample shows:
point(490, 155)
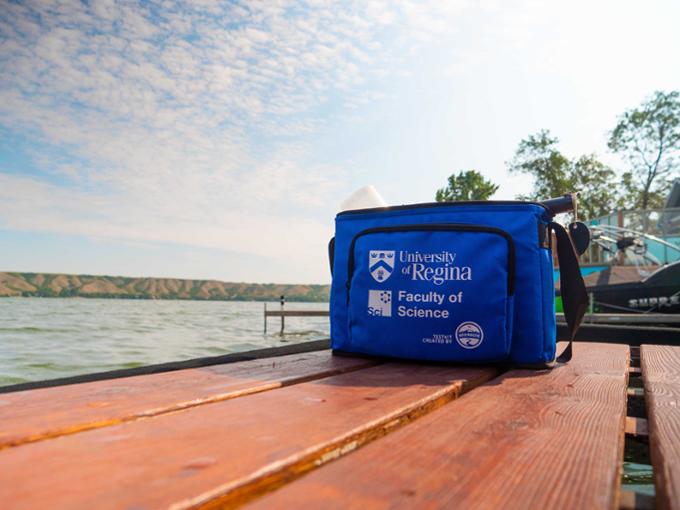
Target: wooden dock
point(650, 319)
point(313, 430)
point(654, 320)
point(283, 313)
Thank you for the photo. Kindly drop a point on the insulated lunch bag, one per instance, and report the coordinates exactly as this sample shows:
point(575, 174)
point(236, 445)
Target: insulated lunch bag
point(467, 282)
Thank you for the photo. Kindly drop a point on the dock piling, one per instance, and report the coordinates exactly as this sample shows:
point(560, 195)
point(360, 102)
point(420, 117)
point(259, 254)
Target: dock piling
point(290, 313)
point(283, 317)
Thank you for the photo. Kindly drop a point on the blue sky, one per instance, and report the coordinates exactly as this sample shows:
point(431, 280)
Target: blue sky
point(216, 140)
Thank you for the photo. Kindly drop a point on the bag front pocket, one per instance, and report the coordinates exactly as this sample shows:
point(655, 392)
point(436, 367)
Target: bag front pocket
point(431, 291)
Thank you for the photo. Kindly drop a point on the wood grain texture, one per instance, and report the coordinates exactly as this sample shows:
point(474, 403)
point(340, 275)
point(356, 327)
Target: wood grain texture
point(224, 452)
point(528, 439)
point(661, 375)
point(33, 415)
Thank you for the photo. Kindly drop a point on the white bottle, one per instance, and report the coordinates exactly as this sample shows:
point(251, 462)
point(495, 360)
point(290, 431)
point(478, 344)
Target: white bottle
point(363, 198)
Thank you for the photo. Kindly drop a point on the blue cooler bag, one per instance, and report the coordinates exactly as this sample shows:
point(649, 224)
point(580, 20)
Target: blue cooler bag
point(467, 282)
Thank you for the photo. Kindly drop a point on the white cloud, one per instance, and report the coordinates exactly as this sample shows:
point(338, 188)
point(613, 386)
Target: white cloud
point(188, 123)
point(200, 122)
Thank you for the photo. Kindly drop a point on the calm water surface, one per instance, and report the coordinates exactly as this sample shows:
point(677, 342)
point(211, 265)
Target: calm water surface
point(44, 338)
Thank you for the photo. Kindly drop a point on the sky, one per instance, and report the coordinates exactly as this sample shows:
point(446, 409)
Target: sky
point(216, 140)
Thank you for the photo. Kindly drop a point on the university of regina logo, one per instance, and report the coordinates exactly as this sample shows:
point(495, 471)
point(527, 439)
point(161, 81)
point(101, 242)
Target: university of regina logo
point(469, 335)
point(380, 264)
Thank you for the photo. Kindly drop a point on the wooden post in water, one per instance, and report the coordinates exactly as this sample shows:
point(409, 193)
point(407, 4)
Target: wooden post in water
point(283, 319)
point(265, 318)
point(622, 254)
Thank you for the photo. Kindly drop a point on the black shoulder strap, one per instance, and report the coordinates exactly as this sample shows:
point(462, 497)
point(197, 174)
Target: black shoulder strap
point(331, 253)
point(572, 287)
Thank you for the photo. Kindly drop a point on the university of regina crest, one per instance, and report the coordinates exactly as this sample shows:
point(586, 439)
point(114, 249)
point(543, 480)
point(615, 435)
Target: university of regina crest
point(380, 264)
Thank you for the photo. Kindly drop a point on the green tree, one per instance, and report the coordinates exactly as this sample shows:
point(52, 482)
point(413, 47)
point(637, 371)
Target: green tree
point(554, 174)
point(538, 156)
point(648, 137)
point(596, 185)
point(469, 185)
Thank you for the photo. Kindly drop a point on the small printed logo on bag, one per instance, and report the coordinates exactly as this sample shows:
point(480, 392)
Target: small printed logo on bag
point(469, 335)
point(380, 264)
point(380, 303)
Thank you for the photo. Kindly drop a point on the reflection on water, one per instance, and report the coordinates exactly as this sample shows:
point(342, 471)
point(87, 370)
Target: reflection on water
point(44, 338)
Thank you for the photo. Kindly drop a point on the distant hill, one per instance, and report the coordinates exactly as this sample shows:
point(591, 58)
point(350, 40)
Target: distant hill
point(64, 285)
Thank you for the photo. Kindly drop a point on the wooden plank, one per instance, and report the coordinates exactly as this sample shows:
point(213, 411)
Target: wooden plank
point(629, 318)
point(29, 416)
point(296, 313)
point(661, 376)
point(636, 426)
point(529, 439)
point(635, 501)
point(223, 452)
point(622, 334)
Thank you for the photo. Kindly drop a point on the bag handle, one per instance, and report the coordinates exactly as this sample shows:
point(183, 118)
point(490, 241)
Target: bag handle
point(573, 289)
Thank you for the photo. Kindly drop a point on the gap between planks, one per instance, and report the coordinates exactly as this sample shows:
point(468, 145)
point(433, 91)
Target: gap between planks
point(636, 427)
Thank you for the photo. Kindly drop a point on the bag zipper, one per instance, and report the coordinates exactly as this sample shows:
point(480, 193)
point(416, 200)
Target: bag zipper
point(437, 227)
point(425, 205)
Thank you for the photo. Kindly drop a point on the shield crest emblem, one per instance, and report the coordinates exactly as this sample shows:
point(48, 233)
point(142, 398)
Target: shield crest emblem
point(380, 264)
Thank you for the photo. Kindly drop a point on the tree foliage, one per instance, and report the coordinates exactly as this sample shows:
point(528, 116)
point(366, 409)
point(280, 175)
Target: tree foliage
point(538, 156)
point(554, 174)
point(648, 137)
point(596, 185)
point(468, 185)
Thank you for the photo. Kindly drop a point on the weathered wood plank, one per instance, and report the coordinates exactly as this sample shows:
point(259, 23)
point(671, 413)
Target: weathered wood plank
point(33, 415)
point(661, 376)
point(528, 439)
point(297, 313)
point(636, 426)
point(221, 453)
point(636, 501)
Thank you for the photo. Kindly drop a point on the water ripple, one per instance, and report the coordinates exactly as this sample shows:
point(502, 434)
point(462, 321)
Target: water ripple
point(48, 338)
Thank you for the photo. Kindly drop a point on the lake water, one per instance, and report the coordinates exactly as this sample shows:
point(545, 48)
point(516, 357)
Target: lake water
point(45, 338)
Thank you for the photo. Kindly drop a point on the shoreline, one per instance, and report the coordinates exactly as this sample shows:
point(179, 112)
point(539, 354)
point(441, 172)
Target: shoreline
point(265, 299)
point(13, 284)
